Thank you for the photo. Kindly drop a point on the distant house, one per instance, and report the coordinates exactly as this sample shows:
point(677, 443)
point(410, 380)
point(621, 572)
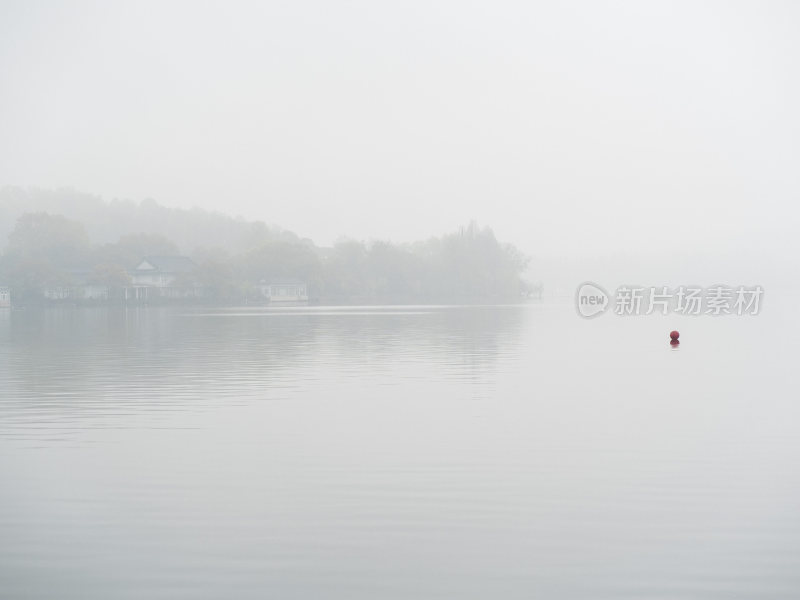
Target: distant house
point(75, 285)
point(82, 291)
point(163, 277)
point(5, 297)
point(284, 291)
point(93, 291)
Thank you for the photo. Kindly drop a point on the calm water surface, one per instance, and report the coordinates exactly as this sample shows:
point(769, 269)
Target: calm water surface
point(397, 452)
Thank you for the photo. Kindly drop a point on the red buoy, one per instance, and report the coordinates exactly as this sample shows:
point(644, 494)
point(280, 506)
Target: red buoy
point(674, 335)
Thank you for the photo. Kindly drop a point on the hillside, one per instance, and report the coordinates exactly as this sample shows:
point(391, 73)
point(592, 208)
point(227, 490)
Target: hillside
point(107, 221)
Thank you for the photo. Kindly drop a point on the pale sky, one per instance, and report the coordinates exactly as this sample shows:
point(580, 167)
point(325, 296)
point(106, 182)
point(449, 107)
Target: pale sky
point(572, 128)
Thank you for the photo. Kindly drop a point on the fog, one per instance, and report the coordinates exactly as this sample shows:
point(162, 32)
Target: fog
point(579, 131)
point(372, 300)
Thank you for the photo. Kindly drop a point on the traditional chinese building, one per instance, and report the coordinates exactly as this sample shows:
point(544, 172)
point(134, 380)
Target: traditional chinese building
point(163, 277)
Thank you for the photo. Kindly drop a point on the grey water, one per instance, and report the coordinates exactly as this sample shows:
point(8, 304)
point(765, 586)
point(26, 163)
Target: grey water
point(397, 452)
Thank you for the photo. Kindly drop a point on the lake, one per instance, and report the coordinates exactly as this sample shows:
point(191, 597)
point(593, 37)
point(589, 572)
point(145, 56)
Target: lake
point(397, 452)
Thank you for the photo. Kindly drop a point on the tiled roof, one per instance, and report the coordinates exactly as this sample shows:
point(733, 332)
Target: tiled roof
point(172, 264)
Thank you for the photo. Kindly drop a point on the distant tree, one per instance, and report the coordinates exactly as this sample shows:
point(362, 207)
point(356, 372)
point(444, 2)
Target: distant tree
point(218, 277)
point(346, 270)
point(281, 260)
point(41, 251)
point(131, 248)
point(393, 270)
point(473, 263)
point(29, 276)
point(46, 250)
point(52, 239)
point(107, 221)
point(113, 275)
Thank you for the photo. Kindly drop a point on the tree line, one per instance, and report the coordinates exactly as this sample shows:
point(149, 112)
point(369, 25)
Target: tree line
point(46, 250)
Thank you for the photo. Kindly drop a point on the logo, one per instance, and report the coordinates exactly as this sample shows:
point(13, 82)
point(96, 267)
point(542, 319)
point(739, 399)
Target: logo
point(634, 300)
point(591, 300)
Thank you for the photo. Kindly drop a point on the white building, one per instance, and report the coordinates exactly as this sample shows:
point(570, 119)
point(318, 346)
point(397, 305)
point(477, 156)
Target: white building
point(284, 291)
point(5, 297)
point(83, 291)
point(163, 277)
point(77, 285)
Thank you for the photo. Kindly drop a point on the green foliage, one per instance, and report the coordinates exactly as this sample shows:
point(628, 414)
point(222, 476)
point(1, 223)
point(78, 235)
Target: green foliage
point(113, 275)
point(108, 221)
point(52, 239)
point(49, 250)
point(41, 251)
point(345, 271)
point(280, 260)
point(468, 264)
point(130, 249)
point(474, 263)
point(217, 276)
point(28, 276)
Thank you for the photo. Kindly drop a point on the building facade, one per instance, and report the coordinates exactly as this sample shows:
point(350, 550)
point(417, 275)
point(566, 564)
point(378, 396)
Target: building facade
point(163, 277)
point(284, 291)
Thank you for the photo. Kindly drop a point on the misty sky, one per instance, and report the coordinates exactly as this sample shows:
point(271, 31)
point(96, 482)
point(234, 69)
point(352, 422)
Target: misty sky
point(573, 129)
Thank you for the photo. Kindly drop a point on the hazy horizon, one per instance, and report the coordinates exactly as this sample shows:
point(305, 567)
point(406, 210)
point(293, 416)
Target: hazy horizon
point(747, 264)
point(574, 131)
point(540, 347)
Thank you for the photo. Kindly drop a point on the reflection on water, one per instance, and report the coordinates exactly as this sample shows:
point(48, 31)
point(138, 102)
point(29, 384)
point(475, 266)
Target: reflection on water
point(394, 452)
point(65, 366)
